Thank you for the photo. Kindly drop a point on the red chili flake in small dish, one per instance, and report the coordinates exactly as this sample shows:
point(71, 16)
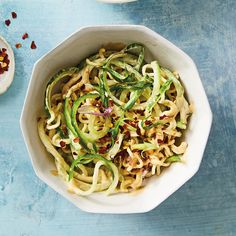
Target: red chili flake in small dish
point(4, 61)
point(7, 22)
point(25, 36)
point(18, 45)
point(14, 15)
point(76, 140)
point(33, 45)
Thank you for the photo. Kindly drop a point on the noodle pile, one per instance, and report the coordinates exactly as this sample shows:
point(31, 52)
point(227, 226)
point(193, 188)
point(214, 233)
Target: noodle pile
point(113, 121)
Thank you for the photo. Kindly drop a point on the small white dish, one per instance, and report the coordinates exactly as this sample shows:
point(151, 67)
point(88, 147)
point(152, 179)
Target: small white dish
point(116, 1)
point(7, 77)
point(72, 50)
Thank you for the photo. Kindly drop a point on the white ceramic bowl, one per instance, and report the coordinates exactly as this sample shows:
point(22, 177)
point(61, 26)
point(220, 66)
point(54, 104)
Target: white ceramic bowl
point(76, 47)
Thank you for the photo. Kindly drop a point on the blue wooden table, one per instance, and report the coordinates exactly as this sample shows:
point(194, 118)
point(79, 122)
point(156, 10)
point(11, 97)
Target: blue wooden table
point(206, 205)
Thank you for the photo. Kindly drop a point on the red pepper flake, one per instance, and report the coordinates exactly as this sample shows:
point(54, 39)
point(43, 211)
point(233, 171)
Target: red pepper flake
point(18, 45)
point(6, 60)
point(76, 140)
point(7, 22)
point(102, 150)
point(82, 87)
point(33, 45)
point(111, 103)
point(74, 153)
point(25, 36)
point(132, 123)
point(125, 126)
point(62, 144)
point(147, 122)
point(160, 141)
point(97, 103)
point(141, 112)
point(139, 131)
point(121, 129)
point(122, 154)
point(127, 135)
point(136, 151)
point(163, 117)
point(165, 140)
point(106, 138)
point(14, 15)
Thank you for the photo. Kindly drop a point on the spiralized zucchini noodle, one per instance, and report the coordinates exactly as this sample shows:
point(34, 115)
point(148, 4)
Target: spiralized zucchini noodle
point(114, 120)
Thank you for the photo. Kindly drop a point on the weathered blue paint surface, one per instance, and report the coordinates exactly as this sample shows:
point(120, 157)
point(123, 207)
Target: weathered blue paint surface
point(206, 205)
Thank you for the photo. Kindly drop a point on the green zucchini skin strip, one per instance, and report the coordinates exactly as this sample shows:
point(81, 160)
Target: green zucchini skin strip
point(158, 93)
point(115, 130)
point(83, 139)
point(62, 135)
point(118, 77)
point(131, 86)
point(67, 114)
point(87, 158)
point(152, 125)
point(127, 67)
point(136, 46)
point(145, 146)
point(181, 125)
point(175, 158)
point(53, 81)
point(106, 89)
point(156, 86)
point(133, 99)
point(71, 131)
point(178, 86)
point(163, 89)
point(140, 59)
point(103, 88)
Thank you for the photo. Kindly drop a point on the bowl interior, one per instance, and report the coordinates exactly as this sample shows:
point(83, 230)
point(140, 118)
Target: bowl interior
point(70, 53)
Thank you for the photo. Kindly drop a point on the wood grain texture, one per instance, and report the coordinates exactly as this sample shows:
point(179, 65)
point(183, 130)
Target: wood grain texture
point(206, 205)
